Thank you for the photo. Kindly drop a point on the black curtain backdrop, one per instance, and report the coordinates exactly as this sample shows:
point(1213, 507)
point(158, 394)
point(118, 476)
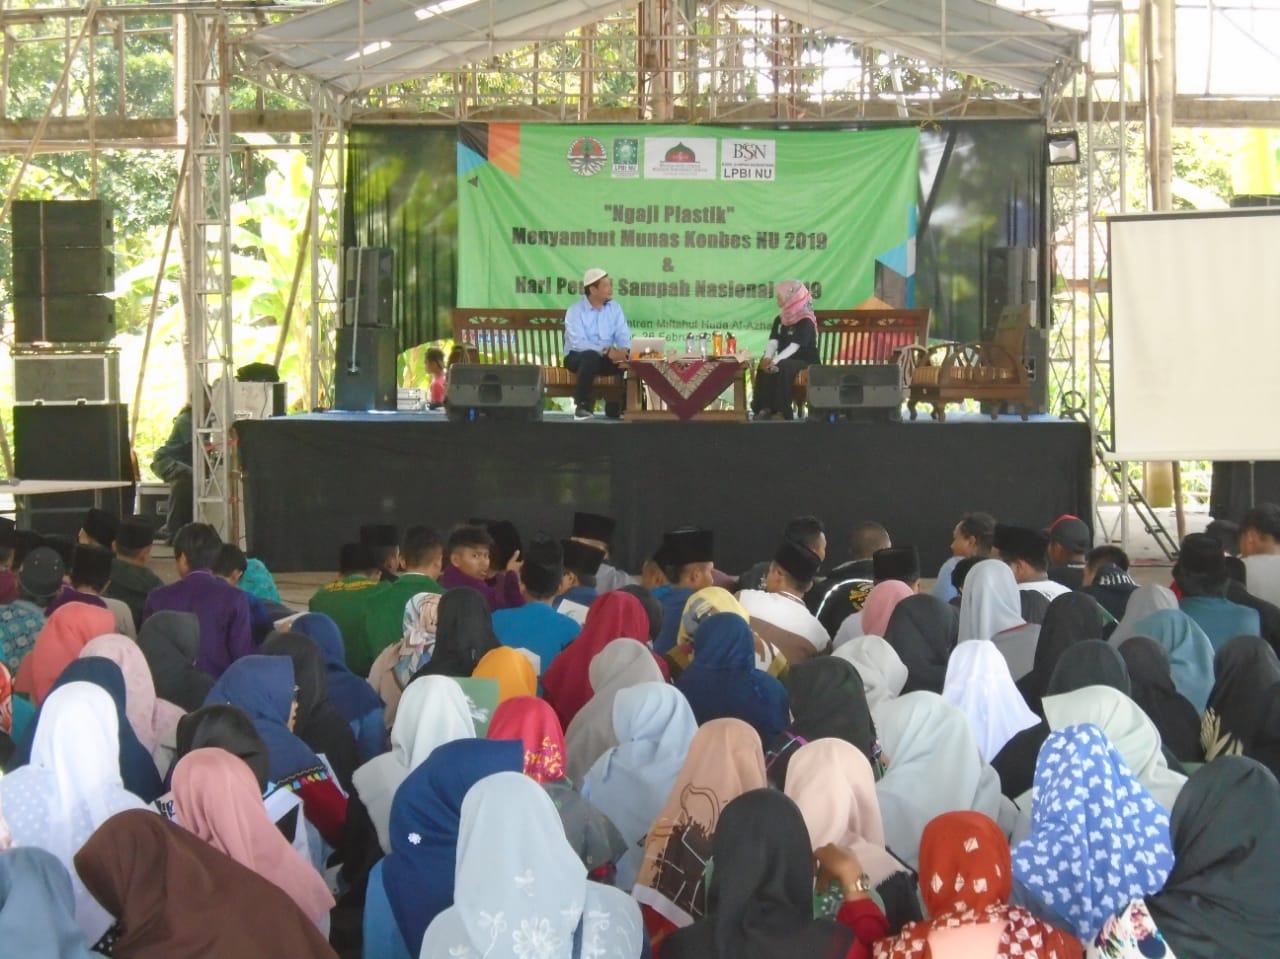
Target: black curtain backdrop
point(982, 184)
point(744, 481)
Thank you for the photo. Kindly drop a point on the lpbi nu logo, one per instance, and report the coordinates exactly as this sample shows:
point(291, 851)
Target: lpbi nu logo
point(749, 160)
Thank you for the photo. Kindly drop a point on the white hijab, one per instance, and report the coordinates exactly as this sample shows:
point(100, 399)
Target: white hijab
point(1143, 601)
point(979, 684)
point(881, 668)
point(630, 782)
point(1130, 730)
point(934, 767)
point(990, 603)
point(622, 663)
point(71, 787)
point(433, 711)
point(521, 891)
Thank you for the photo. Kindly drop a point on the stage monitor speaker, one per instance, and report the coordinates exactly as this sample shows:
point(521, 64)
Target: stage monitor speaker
point(72, 443)
point(365, 372)
point(858, 391)
point(1011, 280)
point(494, 391)
point(66, 377)
point(368, 283)
point(61, 223)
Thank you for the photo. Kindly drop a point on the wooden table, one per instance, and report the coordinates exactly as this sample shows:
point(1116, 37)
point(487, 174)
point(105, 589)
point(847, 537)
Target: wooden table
point(685, 387)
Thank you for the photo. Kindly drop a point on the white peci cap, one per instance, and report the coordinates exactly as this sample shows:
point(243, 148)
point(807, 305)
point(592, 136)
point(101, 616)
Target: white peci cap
point(593, 275)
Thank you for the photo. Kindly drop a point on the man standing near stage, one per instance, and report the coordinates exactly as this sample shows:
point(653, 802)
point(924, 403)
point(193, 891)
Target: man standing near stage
point(596, 338)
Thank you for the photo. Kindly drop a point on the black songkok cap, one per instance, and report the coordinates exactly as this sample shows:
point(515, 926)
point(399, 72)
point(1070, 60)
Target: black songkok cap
point(91, 565)
point(581, 558)
point(379, 535)
point(135, 532)
point(1020, 542)
point(799, 561)
point(687, 545)
point(1202, 555)
point(356, 558)
point(593, 526)
point(101, 526)
point(896, 562)
point(41, 572)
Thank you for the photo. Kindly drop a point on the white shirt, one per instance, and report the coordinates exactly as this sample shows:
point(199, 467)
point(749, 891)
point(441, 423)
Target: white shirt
point(1047, 588)
point(1264, 576)
point(787, 613)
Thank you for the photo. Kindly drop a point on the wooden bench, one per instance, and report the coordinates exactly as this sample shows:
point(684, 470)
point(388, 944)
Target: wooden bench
point(989, 371)
point(862, 337)
point(523, 336)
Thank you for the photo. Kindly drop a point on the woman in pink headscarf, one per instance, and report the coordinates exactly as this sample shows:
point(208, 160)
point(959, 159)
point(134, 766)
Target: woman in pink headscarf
point(793, 346)
point(154, 720)
point(881, 602)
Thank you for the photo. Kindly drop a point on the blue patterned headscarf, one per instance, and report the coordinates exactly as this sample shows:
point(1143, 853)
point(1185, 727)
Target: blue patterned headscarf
point(1098, 839)
point(257, 581)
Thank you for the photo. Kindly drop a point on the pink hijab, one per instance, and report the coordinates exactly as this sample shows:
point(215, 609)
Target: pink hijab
point(880, 605)
point(796, 303)
point(67, 631)
point(216, 797)
point(153, 719)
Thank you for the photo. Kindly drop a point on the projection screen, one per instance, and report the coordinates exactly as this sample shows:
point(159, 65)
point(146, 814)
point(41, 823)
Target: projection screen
point(1195, 327)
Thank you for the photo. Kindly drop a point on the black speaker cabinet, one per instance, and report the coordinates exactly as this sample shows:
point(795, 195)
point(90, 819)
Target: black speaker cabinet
point(368, 283)
point(39, 223)
point(496, 392)
point(72, 443)
point(1011, 280)
point(54, 271)
point(859, 391)
point(85, 318)
point(365, 372)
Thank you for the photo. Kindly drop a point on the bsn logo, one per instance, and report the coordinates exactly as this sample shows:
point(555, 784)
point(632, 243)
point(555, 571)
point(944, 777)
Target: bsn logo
point(750, 151)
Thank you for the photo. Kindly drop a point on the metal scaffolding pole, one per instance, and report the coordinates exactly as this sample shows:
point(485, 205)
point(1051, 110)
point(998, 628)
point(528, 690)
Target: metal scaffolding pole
point(209, 268)
point(328, 151)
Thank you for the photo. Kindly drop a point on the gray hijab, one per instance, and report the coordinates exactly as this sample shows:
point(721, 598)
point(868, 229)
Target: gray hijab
point(1144, 601)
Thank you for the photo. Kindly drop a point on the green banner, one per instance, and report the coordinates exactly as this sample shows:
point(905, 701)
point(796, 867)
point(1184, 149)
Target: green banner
point(695, 225)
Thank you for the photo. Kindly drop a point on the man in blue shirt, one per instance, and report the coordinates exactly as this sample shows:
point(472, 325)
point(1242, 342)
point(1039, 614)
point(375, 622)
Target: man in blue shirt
point(596, 338)
point(535, 626)
point(685, 556)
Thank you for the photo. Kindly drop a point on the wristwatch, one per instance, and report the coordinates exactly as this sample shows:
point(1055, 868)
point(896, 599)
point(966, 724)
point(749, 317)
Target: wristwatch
point(861, 884)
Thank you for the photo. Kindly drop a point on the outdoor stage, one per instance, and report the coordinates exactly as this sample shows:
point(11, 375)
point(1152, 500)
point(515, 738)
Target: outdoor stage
point(310, 481)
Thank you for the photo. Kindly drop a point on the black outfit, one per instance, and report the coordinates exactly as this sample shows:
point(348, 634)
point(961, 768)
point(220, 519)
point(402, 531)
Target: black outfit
point(923, 631)
point(1219, 900)
point(1112, 588)
point(319, 724)
point(1070, 575)
point(1268, 613)
point(760, 901)
point(1015, 764)
point(130, 584)
point(1071, 618)
point(841, 594)
point(586, 365)
point(1153, 690)
point(1240, 716)
point(773, 390)
point(828, 701)
point(464, 633)
point(1034, 605)
point(1090, 663)
point(170, 641)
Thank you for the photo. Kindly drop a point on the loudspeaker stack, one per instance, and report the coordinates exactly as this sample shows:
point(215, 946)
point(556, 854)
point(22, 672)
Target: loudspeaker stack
point(69, 422)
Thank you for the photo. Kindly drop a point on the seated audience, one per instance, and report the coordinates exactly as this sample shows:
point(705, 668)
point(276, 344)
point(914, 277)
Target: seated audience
point(778, 613)
point(1201, 577)
point(973, 536)
point(421, 561)
point(844, 591)
point(536, 626)
point(1026, 553)
point(686, 560)
point(347, 602)
point(1069, 540)
point(131, 575)
point(468, 564)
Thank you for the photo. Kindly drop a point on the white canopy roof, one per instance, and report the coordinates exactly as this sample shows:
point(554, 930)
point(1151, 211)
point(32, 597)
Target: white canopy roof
point(357, 45)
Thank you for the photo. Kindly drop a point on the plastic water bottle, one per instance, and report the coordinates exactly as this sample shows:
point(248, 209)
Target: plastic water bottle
point(688, 345)
point(702, 345)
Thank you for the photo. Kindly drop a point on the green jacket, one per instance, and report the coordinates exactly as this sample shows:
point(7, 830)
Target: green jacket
point(347, 601)
point(384, 621)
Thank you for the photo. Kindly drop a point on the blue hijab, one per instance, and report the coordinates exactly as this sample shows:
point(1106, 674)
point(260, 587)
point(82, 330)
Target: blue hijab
point(137, 768)
point(1189, 649)
point(722, 682)
point(263, 687)
point(37, 907)
point(425, 818)
point(1099, 839)
point(350, 695)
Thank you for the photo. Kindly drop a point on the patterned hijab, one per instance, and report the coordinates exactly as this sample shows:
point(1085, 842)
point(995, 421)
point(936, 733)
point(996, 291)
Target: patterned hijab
point(966, 879)
point(795, 303)
point(531, 721)
point(725, 760)
point(519, 889)
point(1098, 838)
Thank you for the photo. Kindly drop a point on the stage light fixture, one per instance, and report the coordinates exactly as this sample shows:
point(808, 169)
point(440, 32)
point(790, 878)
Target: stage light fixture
point(1062, 148)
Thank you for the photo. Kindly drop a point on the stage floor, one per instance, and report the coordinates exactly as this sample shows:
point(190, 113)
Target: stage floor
point(311, 480)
